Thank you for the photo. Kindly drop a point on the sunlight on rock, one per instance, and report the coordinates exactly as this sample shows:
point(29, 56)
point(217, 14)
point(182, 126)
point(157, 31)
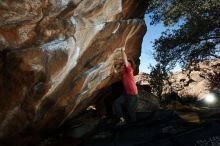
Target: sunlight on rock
point(189, 116)
point(210, 98)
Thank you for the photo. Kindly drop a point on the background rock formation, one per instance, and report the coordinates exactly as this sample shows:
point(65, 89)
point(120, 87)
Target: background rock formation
point(56, 56)
point(197, 81)
point(142, 78)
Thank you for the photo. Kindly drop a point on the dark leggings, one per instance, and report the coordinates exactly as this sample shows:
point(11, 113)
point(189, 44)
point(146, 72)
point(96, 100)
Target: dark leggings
point(131, 102)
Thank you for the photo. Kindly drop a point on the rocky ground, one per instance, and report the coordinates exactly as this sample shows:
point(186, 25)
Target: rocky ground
point(161, 127)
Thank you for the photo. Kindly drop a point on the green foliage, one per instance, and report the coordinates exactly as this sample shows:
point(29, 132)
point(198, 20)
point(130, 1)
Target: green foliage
point(198, 36)
point(157, 76)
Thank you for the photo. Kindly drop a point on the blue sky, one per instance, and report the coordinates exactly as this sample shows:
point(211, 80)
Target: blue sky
point(146, 58)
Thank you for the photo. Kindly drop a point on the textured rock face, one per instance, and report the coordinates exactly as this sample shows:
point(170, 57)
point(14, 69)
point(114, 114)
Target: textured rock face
point(142, 78)
point(55, 57)
point(199, 80)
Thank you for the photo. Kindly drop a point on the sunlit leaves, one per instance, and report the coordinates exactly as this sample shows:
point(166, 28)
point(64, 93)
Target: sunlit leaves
point(197, 38)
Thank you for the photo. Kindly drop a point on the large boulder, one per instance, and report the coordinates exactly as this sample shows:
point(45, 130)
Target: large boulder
point(56, 56)
point(147, 102)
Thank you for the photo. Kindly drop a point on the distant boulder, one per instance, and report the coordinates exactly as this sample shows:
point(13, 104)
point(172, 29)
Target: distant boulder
point(197, 81)
point(142, 78)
